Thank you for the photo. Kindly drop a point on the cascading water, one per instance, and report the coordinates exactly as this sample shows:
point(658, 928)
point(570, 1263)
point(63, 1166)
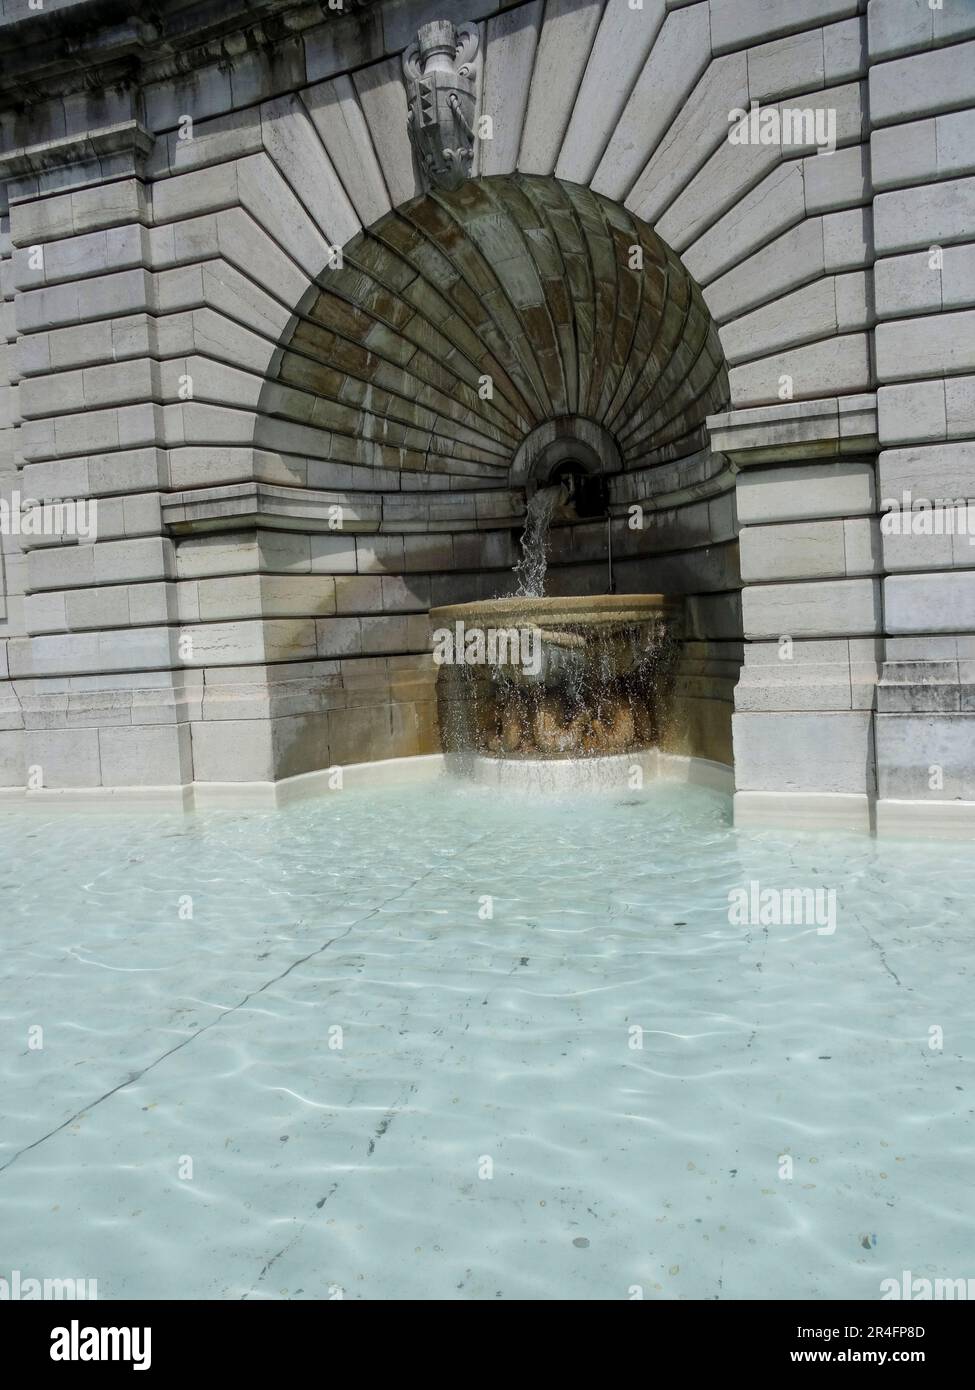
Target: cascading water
point(530, 569)
point(547, 678)
point(534, 678)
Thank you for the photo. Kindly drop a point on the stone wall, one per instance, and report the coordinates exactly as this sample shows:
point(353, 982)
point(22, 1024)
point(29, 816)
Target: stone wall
point(218, 630)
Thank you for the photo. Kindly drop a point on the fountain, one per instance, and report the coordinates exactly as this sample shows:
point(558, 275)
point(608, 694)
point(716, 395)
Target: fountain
point(531, 568)
point(530, 679)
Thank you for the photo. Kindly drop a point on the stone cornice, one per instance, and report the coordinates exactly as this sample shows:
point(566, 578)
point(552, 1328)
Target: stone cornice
point(101, 43)
point(237, 506)
point(834, 427)
point(125, 138)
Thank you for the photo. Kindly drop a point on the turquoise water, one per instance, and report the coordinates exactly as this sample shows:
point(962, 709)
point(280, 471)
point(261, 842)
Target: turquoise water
point(486, 1124)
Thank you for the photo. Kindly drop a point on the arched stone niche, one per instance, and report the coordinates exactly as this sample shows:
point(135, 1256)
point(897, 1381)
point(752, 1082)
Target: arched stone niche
point(466, 331)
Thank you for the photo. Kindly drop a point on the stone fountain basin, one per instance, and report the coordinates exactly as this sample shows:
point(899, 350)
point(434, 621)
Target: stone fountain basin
point(595, 685)
point(556, 613)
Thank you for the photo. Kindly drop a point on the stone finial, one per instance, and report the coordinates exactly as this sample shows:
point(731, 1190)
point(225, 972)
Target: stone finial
point(441, 92)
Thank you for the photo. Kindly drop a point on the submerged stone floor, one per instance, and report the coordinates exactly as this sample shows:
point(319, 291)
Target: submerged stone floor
point(439, 1044)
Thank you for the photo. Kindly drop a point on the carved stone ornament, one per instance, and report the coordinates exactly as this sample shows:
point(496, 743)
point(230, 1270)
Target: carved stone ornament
point(441, 92)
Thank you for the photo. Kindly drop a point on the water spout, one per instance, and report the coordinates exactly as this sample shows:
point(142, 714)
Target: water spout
point(530, 569)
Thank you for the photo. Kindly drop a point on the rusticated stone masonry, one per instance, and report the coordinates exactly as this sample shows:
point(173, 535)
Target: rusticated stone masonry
point(292, 355)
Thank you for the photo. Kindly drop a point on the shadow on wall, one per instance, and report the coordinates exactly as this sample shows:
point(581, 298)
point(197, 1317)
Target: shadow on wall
point(466, 346)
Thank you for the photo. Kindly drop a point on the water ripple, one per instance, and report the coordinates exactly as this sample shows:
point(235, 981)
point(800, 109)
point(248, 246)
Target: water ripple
point(433, 1043)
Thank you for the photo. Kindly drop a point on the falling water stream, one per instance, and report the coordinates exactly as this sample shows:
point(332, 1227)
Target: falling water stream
point(599, 679)
point(530, 569)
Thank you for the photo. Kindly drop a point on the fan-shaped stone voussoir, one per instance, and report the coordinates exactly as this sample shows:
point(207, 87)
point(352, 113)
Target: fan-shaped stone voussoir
point(463, 320)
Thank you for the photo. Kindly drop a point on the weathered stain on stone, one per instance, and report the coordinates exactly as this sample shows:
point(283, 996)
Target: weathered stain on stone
point(523, 283)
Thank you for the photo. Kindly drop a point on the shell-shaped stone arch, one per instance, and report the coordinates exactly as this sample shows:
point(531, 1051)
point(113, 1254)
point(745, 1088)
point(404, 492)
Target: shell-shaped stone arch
point(462, 321)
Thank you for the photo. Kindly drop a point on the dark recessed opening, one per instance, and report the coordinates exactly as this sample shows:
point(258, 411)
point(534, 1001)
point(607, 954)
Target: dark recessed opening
point(588, 493)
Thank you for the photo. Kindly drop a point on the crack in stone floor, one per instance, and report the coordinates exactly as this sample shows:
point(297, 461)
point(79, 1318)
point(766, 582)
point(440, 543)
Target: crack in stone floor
point(224, 1013)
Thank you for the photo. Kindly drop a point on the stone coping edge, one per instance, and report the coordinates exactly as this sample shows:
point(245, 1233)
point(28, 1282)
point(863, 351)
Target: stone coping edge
point(385, 773)
point(912, 820)
point(945, 820)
